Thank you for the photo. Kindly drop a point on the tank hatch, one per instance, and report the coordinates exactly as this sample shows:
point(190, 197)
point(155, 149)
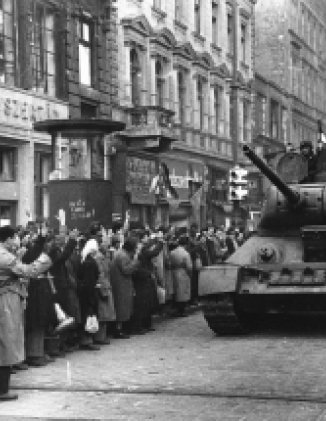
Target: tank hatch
point(292, 168)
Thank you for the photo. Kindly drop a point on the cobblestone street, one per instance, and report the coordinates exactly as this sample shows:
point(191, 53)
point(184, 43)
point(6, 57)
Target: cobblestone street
point(181, 371)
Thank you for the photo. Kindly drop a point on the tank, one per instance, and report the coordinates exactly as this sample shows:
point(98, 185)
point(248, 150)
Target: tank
point(281, 268)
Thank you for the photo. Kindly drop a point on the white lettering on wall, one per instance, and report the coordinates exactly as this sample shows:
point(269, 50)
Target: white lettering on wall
point(23, 109)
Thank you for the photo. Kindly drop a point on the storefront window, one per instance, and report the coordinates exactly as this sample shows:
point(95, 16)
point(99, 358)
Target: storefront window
point(7, 213)
point(7, 46)
point(72, 158)
point(79, 158)
point(41, 174)
point(7, 164)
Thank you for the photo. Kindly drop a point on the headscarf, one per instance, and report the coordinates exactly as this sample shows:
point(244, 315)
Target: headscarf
point(90, 247)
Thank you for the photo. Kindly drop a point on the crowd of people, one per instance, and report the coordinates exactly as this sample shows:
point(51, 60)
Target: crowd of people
point(69, 291)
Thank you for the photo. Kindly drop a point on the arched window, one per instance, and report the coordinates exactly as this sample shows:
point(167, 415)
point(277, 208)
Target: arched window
point(135, 77)
point(159, 84)
point(182, 97)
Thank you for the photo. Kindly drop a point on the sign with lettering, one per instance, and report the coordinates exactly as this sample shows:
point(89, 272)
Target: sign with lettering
point(140, 173)
point(183, 173)
point(22, 109)
point(83, 202)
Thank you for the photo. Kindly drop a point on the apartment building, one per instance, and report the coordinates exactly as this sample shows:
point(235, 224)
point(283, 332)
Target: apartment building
point(56, 62)
point(185, 75)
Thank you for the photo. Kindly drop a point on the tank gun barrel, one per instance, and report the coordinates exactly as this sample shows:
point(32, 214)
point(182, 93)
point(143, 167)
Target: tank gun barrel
point(292, 196)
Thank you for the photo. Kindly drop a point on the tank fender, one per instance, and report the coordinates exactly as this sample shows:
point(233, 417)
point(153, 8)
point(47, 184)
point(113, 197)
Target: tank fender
point(218, 279)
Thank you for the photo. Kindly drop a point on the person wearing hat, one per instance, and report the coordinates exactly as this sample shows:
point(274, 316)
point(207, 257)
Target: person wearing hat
point(11, 318)
point(306, 150)
point(122, 268)
point(181, 266)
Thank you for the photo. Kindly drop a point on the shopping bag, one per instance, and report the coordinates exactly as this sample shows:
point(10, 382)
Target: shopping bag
point(161, 295)
point(91, 325)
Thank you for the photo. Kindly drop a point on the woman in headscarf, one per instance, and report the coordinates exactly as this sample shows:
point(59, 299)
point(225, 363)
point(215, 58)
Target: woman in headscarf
point(87, 285)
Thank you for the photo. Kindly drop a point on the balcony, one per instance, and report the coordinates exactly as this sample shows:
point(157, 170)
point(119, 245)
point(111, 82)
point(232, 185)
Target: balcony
point(149, 126)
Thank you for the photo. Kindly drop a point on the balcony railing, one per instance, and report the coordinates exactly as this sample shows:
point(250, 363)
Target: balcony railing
point(153, 116)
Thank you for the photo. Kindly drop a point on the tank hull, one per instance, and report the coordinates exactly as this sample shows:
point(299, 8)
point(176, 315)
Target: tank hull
point(247, 287)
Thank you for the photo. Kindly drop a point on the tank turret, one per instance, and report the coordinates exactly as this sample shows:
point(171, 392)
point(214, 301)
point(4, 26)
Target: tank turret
point(292, 196)
point(289, 206)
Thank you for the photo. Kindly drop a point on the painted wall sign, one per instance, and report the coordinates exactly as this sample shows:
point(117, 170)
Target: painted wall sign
point(21, 108)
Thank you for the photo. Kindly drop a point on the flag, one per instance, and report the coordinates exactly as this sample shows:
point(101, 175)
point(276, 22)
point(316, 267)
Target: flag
point(170, 190)
point(161, 184)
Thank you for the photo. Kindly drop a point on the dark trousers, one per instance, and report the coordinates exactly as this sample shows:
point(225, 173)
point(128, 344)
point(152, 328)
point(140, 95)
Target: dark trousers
point(194, 285)
point(181, 307)
point(4, 379)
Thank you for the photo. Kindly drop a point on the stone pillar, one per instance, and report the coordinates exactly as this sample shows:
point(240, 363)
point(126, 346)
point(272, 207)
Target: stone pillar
point(153, 94)
point(227, 114)
point(175, 100)
point(26, 209)
point(212, 116)
point(145, 72)
point(195, 103)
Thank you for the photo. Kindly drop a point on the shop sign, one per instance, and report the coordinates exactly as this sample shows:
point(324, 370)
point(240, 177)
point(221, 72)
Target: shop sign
point(140, 144)
point(78, 210)
point(22, 109)
point(116, 217)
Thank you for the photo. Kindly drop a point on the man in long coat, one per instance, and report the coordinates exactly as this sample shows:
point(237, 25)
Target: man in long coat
point(11, 310)
point(122, 268)
point(181, 266)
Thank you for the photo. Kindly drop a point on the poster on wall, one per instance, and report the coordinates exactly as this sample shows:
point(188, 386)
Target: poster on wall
point(140, 173)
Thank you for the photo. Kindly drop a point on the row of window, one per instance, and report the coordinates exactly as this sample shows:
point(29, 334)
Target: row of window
point(183, 89)
point(200, 20)
point(305, 22)
point(271, 118)
point(42, 46)
point(306, 83)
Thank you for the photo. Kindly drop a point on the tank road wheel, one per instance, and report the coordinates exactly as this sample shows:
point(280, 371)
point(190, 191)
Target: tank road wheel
point(221, 316)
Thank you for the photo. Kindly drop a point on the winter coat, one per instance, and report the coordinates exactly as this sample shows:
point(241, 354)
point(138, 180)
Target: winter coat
point(122, 268)
point(87, 280)
point(181, 266)
point(106, 310)
point(11, 309)
point(60, 275)
point(145, 282)
point(39, 310)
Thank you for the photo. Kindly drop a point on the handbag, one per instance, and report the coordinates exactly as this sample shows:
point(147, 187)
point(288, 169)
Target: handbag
point(198, 263)
point(91, 325)
point(161, 295)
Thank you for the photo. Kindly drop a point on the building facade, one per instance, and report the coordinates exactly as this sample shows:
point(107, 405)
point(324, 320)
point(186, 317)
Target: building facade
point(56, 62)
point(290, 54)
point(185, 75)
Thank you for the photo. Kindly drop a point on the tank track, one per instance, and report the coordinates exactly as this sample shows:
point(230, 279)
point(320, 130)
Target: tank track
point(221, 316)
